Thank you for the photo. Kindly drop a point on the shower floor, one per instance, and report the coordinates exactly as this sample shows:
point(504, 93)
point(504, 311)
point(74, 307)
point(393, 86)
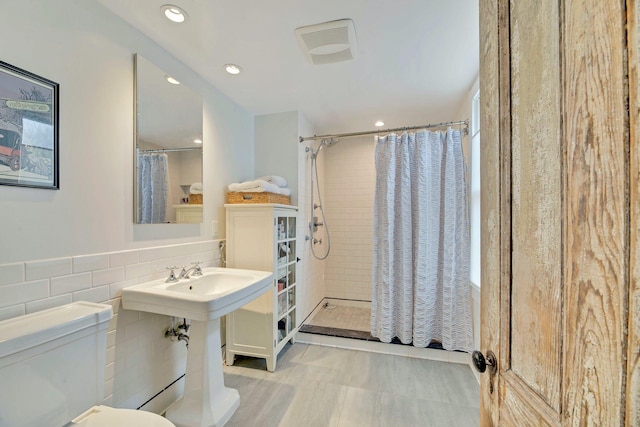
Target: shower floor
point(342, 316)
point(345, 319)
point(339, 318)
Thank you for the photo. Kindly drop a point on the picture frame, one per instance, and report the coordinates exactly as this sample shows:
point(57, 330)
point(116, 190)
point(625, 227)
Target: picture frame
point(28, 129)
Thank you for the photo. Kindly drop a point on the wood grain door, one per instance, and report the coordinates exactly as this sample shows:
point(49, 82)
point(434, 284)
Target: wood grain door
point(558, 92)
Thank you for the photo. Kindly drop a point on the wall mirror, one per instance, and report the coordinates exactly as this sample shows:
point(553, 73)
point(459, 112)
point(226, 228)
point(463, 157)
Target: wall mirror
point(168, 147)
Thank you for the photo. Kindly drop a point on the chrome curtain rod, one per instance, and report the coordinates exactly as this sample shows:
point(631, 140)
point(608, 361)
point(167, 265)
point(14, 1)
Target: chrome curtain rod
point(374, 132)
point(169, 150)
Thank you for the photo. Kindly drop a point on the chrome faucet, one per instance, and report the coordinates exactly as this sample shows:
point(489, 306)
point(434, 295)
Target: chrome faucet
point(195, 270)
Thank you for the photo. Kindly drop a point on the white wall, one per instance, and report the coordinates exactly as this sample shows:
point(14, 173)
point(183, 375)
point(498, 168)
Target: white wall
point(278, 152)
point(276, 148)
point(190, 167)
point(88, 52)
point(80, 242)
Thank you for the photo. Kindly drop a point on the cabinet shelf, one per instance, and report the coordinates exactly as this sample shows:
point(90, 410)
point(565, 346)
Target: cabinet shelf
point(283, 315)
point(263, 237)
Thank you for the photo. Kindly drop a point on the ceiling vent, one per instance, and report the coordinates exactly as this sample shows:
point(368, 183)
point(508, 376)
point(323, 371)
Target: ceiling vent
point(329, 42)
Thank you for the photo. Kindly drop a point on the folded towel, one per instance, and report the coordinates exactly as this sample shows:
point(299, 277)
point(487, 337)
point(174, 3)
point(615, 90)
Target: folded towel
point(239, 186)
point(196, 188)
point(283, 191)
point(258, 186)
point(275, 179)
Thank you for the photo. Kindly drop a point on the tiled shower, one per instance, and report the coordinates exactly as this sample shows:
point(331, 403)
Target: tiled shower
point(349, 193)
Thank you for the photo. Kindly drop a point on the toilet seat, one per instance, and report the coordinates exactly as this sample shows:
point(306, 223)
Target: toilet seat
point(104, 416)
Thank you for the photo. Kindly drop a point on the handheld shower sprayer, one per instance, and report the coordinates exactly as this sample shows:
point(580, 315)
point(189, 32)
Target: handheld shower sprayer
point(315, 222)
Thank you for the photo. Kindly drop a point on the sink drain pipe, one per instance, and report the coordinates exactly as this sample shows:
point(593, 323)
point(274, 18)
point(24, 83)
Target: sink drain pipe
point(178, 333)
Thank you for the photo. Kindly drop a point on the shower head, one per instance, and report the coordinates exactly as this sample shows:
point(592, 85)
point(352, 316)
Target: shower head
point(330, 142)
point(324, 143)
point(327, 143)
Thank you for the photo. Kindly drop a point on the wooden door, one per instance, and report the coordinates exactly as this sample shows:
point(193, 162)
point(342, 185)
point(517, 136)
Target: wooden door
point(560, 212)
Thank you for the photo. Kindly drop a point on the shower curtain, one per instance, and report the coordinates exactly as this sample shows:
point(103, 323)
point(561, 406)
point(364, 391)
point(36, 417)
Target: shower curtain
point(421, 241)
point(153, 187)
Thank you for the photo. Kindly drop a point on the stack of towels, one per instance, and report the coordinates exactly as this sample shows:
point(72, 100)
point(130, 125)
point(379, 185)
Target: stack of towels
point(196, 188)
point(272, 184)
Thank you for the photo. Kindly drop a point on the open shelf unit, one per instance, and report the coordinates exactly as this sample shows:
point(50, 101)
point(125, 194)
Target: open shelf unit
point(263, 237)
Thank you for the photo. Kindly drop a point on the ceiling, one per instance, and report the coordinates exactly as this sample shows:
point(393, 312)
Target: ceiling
point(416, 59)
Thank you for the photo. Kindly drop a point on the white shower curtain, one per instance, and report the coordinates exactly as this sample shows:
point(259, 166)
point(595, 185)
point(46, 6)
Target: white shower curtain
point(421, 241)
point(153, 187)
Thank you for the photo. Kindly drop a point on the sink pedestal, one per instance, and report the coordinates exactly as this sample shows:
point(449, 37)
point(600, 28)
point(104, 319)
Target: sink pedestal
point(206, 401)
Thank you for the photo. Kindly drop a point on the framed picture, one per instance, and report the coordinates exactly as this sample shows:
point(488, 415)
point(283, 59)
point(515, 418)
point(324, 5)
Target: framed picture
point(28, 129)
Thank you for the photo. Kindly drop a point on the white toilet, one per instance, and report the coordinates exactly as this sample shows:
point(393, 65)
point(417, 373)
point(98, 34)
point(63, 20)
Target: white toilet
point(52, 366)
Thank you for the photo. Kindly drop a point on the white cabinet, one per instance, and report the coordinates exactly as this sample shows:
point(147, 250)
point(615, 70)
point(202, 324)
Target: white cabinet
point(263, 237)
point(191, 214)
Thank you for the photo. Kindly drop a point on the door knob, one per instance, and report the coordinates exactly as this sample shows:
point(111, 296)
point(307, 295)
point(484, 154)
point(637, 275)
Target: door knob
point(481, 363)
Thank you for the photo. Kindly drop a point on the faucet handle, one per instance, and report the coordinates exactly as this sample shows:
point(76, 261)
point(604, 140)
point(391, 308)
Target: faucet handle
point(172, 276)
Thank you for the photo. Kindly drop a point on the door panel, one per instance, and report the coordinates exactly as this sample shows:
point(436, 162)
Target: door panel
point(560, 185)
point(597, 138)
point(536, 203)
point(490, 201)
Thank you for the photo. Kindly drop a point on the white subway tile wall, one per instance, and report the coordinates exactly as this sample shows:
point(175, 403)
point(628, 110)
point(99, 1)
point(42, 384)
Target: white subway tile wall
point(67, 284)
point(349, 192)
point(48, 268)
point(11, 273)
point(90, 263)
point(140, 361)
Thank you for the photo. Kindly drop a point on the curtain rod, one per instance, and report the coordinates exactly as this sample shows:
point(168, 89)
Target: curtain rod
point(169, 150)
point(374, 132)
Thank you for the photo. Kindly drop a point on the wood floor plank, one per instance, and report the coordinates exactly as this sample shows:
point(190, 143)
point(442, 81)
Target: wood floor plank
point(371, 408)
point(326, 386)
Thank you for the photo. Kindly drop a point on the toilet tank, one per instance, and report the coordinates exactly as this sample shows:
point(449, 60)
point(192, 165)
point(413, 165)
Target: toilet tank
point(52, 364)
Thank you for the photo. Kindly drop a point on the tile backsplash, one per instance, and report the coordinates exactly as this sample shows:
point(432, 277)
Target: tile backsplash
point(140, 361)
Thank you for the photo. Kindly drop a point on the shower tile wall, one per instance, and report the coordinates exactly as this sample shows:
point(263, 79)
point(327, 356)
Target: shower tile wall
point(349, 192)
point(140, 361)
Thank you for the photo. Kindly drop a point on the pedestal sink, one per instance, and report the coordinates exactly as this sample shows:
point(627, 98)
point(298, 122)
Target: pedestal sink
point(203, 299)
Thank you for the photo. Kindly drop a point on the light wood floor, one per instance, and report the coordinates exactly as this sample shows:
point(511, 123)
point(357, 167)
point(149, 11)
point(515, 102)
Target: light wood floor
point(324, 386)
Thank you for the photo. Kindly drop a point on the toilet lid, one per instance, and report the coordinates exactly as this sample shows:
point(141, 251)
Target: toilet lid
point(103, 416)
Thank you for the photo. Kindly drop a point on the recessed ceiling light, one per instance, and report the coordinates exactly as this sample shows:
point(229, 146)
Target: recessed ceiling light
point(174, 13)
point(379, 123)
point(232, 69)
point(172, 80)
point(197, 141)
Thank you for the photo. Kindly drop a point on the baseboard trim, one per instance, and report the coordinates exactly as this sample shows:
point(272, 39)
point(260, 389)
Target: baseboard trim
point(384, 348)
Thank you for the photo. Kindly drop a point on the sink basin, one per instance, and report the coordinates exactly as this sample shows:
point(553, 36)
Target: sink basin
point(203, 299)
point(217, 292)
